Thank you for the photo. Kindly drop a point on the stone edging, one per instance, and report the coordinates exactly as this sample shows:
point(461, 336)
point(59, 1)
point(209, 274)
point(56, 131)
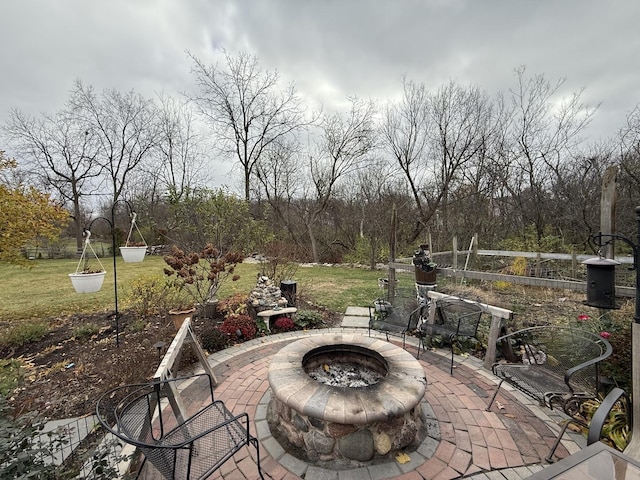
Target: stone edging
point(380, 470)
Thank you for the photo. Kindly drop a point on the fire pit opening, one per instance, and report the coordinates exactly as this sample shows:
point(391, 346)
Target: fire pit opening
point(349, 366)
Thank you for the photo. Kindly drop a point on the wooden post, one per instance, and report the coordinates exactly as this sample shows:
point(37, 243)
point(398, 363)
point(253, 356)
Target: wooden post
point(608, 208)
point(391, 287)
point(454, 261)
point(475, 251)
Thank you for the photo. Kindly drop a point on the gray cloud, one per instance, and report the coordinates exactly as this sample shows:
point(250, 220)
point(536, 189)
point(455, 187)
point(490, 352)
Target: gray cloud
point(329, 48)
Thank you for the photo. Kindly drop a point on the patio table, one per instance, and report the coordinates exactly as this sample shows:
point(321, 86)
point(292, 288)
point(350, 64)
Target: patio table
point(598, 461)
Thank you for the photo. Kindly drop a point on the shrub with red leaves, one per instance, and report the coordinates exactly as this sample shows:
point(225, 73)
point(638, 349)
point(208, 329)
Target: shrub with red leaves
point(243, 323)
point(284, 324)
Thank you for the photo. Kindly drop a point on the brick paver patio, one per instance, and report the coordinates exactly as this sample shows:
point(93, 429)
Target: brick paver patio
point(510, 442)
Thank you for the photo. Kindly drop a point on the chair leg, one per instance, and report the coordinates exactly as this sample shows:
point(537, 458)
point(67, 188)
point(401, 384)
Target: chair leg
point(451, 367)
point(255, 443)
point(495, 394)
point(549, 457)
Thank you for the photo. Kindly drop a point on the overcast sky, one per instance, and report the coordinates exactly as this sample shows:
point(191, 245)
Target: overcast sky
point(329, 48)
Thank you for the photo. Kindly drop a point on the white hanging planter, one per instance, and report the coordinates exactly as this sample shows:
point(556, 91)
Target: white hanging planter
point(87, 282)
point(133, 254)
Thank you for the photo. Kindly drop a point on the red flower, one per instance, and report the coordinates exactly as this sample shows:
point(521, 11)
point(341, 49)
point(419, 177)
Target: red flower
point(605, 334)
point(583, 318)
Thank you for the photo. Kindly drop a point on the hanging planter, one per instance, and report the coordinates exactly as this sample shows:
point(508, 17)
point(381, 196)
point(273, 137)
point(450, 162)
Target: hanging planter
point(134, 252)
point(86, 280)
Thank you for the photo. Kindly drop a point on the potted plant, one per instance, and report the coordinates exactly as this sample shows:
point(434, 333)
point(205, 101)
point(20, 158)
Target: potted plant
point(425, 269)
point(87, 279)
point(134, 252)
point(200, 274)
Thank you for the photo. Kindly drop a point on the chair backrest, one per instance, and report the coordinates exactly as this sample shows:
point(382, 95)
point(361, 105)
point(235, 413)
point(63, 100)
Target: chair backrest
point(415, 317)
point(459, 316)
point(559, 349)
point(143, 415)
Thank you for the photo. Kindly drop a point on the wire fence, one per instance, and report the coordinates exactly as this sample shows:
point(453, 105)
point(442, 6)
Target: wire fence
point(79, 447)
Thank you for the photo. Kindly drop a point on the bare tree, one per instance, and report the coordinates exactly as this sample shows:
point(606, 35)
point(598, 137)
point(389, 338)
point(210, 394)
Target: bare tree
point(179, 148)
point(125, 127)
point(405, 128)
point(280, 177)
point(61, 152)
point(543, 135)
point(343, 148)
point(461, 120)
point(246, 109)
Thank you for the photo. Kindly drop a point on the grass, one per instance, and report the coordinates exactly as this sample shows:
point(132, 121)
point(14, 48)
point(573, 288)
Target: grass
point(45, 291)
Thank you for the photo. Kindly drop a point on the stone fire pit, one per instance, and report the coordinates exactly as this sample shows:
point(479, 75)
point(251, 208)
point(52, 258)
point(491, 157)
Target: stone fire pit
point(378, 413)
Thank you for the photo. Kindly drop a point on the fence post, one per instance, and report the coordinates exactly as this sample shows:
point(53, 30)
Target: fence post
point(455, 253)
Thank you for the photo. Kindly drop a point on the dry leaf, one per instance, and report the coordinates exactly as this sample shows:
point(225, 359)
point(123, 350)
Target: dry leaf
point(402, 458)
point(325, 367)
point(500, 406)
point(574, 428)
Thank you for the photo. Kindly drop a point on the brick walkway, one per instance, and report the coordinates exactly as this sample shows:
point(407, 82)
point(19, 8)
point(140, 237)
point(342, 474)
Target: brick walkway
point(506, 443)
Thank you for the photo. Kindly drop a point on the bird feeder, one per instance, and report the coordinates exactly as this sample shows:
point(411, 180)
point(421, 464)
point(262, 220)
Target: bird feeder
point(601, 283)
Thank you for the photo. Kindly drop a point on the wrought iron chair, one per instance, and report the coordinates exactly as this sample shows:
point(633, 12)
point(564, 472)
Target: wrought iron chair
point(600, 417)
point(399, 319)
point(180, 446)
point(455, 318)
point(556, 365)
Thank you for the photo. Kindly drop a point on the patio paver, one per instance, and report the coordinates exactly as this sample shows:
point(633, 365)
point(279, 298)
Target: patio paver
point(508, 443)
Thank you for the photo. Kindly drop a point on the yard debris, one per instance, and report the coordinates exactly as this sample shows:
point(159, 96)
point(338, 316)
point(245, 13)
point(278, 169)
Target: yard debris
point(402, 458)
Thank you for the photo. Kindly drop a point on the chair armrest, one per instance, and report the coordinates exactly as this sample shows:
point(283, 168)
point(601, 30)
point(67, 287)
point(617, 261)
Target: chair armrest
point(606, 354)
point(602, 413)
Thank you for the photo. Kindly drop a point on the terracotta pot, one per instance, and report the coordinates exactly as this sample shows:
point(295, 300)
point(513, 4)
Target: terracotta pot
point(179, 316)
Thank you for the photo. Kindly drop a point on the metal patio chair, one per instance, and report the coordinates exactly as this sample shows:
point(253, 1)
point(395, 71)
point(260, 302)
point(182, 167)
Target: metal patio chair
point(179, 446)
point(454, 318)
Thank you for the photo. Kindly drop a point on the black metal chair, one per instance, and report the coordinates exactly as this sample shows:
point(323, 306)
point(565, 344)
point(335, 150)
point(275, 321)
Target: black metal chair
point(149, 417)
point(555, 365)
point(399, 320)
point(454, 318)
point(600, 416)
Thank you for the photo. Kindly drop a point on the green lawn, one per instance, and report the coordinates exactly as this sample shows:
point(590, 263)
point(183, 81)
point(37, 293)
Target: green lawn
point(45, 290)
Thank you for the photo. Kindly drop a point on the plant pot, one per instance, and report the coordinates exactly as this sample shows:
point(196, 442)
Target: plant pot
point(424, 276)
point(382, 306)
point(87, 282)
point(133, 254)
point(179, 316)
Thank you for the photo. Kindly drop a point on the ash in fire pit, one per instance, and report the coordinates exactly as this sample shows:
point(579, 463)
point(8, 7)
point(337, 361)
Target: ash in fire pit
point(339, 374)
point(348, 366)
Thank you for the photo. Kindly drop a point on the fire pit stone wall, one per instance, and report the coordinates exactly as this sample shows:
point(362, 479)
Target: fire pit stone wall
point(343, 424)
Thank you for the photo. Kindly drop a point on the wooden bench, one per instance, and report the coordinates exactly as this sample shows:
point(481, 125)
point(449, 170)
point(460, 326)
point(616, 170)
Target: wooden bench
point(555, 365)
